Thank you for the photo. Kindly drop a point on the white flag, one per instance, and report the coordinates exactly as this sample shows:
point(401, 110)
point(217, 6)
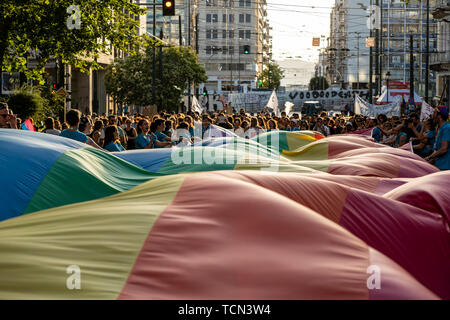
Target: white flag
point(288, 107)
point(195, 106)
point(426, 112)
point(273, 104)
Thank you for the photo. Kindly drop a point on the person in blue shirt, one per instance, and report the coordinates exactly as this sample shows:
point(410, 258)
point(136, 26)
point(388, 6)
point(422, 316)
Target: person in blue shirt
point(112, 142)
point(376, 132)
point(143, 140)
point(160, 140)
point(441, 154)
point(73, 117)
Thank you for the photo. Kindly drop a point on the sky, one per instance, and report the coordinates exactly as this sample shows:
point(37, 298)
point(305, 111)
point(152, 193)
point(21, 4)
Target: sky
point(295, 23)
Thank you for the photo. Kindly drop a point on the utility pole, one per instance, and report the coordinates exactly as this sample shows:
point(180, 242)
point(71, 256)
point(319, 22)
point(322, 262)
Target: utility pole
point(357, 64)
point(180, 31)
point(411, 67)
point(377, 51)
point(196, 49)
point(381, 57)
point(161, 34)
point(370, 63)
point(427, 54)
point(154, 58)
point(239, 68)
point(189, 44)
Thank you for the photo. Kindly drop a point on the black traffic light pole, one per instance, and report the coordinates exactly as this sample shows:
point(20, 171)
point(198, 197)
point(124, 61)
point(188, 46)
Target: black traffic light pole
point(427, 54)
point(167, 10)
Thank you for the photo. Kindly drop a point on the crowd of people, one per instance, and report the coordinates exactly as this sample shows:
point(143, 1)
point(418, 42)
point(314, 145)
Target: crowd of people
point(429, 138)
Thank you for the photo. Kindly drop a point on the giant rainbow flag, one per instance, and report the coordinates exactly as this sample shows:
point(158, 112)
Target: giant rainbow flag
point(283, 216)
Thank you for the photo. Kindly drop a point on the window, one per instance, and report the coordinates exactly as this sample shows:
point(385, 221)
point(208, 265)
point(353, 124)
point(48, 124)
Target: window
point(208, 34)
point(231, 34)
point(231, 18)
point(224, 50)
point(241, 34)
point(208, 18)
point(245, 3)
point(247, 18)
point(231, 50)
point(210, 3)
point(224, 18)
point(241, 18)
point(228, 3)
point(208, 49)
point(224, 34)
point(215, 18)
point(248, 34)
point(215, 34)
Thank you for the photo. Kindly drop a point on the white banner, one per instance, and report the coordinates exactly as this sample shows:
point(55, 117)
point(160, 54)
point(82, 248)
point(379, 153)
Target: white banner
point(426, 112)
point(371, 110)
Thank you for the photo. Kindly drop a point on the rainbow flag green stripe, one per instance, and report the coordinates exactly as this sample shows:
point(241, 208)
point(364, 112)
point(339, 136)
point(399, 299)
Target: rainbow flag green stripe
point(102, 237)
point(102, 173)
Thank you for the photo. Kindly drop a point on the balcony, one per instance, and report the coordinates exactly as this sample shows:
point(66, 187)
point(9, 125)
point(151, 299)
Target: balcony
point(440, 61)
point(442, 9)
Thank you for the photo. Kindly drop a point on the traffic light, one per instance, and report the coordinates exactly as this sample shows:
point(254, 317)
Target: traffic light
point(205, 91)
point(246, 49)
point(168, 7)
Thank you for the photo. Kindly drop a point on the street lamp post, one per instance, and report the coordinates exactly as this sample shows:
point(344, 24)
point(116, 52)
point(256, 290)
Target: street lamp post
point(388, 78)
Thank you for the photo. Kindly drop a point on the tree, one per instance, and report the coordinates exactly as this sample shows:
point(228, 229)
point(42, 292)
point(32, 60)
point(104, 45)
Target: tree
point(36, 102)
point(318, 83)
point(130, 80)
point(271, 76)
point(56, 28)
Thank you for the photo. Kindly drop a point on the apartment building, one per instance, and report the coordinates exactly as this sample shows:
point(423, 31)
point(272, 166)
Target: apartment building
point(400, 20)
point(395, 19)
point(233, 43)
point(440, 61)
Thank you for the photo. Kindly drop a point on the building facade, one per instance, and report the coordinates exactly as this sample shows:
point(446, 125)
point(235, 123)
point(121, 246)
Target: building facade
point(351, 23)
point(440, 61)
point(233, 42)
point(400, 20)
point(175, 29)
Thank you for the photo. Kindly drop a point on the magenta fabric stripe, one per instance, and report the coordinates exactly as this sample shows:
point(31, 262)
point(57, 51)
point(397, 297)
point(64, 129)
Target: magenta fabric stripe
point(414, 238)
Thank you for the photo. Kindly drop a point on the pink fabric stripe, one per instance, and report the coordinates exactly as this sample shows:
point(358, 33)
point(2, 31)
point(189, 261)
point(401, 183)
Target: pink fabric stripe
point(415, 239)
point(260, 245)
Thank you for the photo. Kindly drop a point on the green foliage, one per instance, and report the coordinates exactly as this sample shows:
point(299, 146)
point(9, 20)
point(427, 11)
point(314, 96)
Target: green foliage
point(271, 76)
point(53, 103)
point(129, 80)
point(27, 102)
point(36, 102)
point(41, 26)
point(318, 83)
